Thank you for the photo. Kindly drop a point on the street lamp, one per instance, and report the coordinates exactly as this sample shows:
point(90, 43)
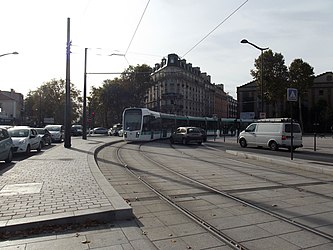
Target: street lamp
point(12, 53)
point(261, 69)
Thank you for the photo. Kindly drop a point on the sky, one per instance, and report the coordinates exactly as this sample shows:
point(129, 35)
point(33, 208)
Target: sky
point(37, 30)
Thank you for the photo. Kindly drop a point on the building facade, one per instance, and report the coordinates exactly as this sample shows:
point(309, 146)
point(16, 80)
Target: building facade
point(179, 88)
point(11, 107)
point(316, 104)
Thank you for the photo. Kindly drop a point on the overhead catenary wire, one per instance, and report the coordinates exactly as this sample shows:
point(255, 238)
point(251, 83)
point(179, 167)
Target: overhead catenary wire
point(224, 20)
point(137, 27)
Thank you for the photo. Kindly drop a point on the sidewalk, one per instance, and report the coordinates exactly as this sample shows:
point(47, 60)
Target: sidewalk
point(59, 186)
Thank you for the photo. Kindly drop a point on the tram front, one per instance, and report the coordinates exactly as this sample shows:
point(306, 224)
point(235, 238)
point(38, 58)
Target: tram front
point(132, 124)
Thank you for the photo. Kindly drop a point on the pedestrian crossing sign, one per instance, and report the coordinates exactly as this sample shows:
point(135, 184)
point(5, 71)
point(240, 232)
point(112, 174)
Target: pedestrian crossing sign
point(292, 95)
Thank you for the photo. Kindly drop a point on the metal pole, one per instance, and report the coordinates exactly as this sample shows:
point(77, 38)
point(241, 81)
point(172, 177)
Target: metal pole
point(84, 134)
point(67, 143)
point(261, 81)
point(292, 133)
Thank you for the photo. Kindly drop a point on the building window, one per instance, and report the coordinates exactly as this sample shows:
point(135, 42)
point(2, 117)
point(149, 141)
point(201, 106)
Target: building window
point(321, 92)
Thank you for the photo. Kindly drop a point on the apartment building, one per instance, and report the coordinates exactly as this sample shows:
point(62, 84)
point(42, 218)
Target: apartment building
point(179, 88)
point(11, 107)
point(316, 104)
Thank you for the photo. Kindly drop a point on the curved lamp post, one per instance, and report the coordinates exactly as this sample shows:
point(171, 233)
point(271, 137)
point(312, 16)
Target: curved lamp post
point(261, 69)
point(13, 53)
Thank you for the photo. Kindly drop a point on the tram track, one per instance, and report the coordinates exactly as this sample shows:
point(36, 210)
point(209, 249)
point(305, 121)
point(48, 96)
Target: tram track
point(298, 186)
point(144, 175)
point(243, 202)
point(205, 188)
point(200, 221)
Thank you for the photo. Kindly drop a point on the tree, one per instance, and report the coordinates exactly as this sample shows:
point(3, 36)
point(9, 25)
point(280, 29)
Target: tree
point(137, 81)
point(275, 77)
point(48, 101)
point(109, 100)
point(301, 77)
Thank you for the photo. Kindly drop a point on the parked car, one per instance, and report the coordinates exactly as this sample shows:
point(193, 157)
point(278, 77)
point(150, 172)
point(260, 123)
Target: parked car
point(100, 130)
point(76, 130)
point(115, 129)
point(45, 136)
point(6, 146)
point(271, 133)
point(25, 139)
point(57, 132)
point(186, 135)
point(120, 132)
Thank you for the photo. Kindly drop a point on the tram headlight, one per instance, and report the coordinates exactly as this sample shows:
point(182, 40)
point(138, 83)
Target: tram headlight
point(137, 134)
point(125, 134)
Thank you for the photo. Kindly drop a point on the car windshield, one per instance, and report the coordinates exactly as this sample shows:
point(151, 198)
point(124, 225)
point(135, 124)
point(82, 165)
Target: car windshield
point(77, 126)
point(18, 132)
point(53, 128)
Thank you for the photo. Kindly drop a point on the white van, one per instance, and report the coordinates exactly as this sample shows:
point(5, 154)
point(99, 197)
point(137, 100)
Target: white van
point(273, 133)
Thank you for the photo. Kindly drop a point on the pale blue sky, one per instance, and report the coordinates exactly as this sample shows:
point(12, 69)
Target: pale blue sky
point(37, 30)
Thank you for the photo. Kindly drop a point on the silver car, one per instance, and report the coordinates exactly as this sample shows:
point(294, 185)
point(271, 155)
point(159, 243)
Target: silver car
point(6, 146)
point(57, 132)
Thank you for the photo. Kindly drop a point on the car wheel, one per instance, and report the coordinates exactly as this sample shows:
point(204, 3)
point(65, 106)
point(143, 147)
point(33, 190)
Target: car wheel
point(200, 142)
point(27, 151)
point(242, 143)
point(10, 157)
point(49, 143)
point(273, 146)
point(39, 147)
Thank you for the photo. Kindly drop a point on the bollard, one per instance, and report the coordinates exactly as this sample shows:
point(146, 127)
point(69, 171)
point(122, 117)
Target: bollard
point(314, 142)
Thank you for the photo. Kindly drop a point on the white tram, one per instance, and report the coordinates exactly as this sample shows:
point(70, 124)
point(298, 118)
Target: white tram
point(142, 124)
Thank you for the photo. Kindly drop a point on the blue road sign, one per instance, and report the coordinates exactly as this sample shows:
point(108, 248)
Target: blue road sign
point(292, 95)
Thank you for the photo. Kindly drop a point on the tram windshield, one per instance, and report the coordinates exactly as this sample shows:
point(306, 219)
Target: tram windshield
point(132, 119)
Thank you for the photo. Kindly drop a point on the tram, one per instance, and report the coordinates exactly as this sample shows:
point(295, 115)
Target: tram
point(142, 124)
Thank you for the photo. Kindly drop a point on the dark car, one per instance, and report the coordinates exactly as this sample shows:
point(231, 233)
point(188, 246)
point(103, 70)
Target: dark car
point(186, 135)
point(76, 130)
point(204, 134)
point(45, 136)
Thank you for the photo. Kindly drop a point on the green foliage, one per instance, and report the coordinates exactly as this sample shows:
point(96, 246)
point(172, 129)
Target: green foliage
point(109, 100)
point(275, 75)
point(301, 76)
point(48, 101)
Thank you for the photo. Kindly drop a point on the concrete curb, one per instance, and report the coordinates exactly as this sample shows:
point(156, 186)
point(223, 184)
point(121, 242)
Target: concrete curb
point(304, 165)
point(122, 209)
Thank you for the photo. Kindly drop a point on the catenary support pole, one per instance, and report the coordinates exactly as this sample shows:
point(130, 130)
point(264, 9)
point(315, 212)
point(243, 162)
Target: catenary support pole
point(67, 143)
